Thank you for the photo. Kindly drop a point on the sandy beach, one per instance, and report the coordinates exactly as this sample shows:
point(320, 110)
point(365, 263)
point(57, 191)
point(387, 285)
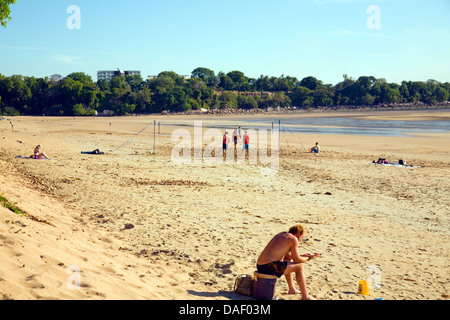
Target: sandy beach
point(130, 224)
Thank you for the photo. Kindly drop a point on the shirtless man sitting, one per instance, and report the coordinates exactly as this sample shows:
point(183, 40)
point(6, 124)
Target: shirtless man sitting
point(281, 257)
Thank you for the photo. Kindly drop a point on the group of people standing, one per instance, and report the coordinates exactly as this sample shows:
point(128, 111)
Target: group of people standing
point(246, 141)
point(237, 136)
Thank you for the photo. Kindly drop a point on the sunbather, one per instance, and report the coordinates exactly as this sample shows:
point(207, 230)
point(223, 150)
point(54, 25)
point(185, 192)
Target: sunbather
point(38, 154)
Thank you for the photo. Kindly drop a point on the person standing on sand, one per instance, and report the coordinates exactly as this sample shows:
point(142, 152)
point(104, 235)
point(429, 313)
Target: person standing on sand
point(226, 141)
point(235, 138)
point(281, 257)
point(246, 143)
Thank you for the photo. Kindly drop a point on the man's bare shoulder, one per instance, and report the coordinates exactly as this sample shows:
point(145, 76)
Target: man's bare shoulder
point(285, 236)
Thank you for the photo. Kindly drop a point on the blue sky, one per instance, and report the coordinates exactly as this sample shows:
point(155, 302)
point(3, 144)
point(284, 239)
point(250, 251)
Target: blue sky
point(320, 38)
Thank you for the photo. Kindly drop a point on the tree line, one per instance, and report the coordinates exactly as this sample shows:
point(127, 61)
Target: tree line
point(79, 95)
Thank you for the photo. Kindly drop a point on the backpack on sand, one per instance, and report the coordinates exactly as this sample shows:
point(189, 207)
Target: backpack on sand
point(244, 285)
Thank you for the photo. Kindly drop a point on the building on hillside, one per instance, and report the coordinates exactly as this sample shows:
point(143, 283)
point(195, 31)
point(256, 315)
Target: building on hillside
point(56, 77)
point(109, 74)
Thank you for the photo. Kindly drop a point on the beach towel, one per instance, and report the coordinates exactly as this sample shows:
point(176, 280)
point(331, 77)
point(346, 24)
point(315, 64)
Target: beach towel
point(395, 165)
point(31, 158)
point(96, 151)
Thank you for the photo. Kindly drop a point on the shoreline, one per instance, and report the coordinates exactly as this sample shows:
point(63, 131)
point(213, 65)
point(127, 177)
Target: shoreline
point(433, 114)
point(285, 112)
point(312, 111)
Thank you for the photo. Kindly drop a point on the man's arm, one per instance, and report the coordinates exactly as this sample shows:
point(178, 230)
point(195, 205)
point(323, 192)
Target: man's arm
point(296, 257)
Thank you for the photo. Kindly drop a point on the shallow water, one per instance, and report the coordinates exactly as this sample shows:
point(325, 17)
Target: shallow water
point(329, 125)
point(355, 126)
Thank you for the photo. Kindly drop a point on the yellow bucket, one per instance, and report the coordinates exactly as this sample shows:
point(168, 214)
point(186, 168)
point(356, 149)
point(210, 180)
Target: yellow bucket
point(363, 287)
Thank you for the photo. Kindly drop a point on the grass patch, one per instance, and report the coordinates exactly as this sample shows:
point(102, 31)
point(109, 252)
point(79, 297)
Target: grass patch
point(16, 210)
point(10, 206)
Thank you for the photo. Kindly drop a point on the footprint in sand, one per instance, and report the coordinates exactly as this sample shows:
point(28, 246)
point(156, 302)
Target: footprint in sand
point(224, 268)
point(33, 283)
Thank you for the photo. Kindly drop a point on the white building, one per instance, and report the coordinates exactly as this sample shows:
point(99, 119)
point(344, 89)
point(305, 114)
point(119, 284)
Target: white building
point(105, 75)
point(56, 77)
point(109, 74)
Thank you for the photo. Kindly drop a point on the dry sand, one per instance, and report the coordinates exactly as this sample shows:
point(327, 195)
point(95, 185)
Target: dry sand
point(135, 225)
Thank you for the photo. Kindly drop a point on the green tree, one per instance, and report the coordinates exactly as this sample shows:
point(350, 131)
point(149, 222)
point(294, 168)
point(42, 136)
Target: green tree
point(367, 99)
point(80, 110)
point(103, 85)
point(379, 90)
point(84, 78)
point(264, 83)
point(311, 83)
point(225, 82)
point(91, 98)
point(118, 87)
point(162, 88)
point(205, 75)
point(5, 11)
point(442, 94)
point(54, 110)
point(356, 92)
point(282, 100)
point(173, 75)
point(392, 95)
point(228, 100)
point(446, 86)
point(72, 93)
point(418, 91)
point(181, 99)
point(284, 83)
point(39, 88)
point(246, 102)
point(123, 108)
point(200, 92)
point(323, 98)
point(404, 91)
point(267, 101)
point(142, 100)
point(194, 104)
point(79, 95)
point(135, 82)
point(9, 111)
point(15, 93)
point(302, 97)
point(239, 79)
